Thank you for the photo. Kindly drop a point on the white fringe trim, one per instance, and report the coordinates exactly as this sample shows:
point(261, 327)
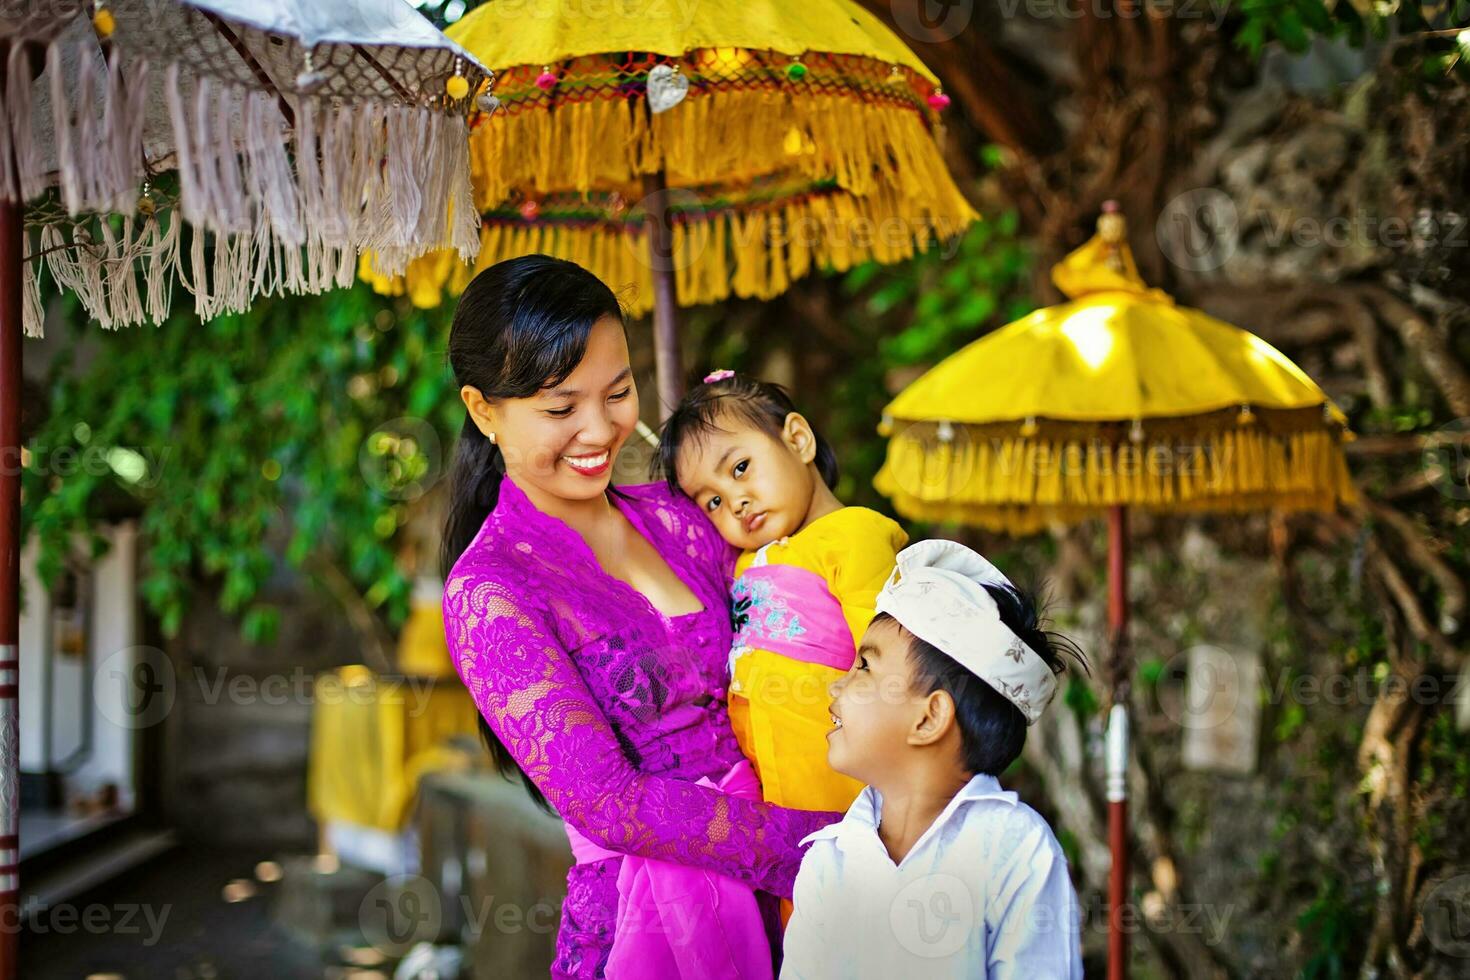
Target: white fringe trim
point(271, 210)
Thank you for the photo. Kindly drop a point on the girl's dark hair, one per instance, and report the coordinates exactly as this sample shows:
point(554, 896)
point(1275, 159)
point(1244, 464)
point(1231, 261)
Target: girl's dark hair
point(761, 403)
point(992, 729)
point(521, 326)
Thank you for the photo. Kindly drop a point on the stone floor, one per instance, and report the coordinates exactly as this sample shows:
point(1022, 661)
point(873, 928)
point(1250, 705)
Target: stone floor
point(188, 915)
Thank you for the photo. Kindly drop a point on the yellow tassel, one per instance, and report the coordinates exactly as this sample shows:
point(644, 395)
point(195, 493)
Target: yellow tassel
point(1018, 485)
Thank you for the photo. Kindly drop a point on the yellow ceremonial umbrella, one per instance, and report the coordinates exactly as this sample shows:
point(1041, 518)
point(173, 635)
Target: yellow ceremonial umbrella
point(699, 151)
point(1116, 399)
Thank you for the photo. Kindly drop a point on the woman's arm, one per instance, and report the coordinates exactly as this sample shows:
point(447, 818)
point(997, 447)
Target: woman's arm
point(537, 703)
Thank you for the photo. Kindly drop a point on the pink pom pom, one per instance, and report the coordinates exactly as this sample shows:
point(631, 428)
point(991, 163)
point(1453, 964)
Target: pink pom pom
point(721, 375)
point(939, 102)
point(530, 210)
point(546, 81)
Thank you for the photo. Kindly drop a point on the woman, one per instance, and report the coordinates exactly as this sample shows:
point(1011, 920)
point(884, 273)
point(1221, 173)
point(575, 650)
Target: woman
point(591, 624)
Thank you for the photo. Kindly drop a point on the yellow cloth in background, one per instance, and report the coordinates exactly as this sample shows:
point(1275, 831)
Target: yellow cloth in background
point(779, 705)
point(373, 737)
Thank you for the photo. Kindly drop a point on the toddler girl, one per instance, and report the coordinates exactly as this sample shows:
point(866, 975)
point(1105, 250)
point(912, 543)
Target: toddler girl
point(805, 584)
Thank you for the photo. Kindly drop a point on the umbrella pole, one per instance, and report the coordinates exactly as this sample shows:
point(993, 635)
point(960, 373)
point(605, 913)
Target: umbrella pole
point(1117, 742)
point(665, 312)
point(10, 382)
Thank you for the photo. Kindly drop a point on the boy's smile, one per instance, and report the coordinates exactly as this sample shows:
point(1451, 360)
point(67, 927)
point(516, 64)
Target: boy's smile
point(874, 707)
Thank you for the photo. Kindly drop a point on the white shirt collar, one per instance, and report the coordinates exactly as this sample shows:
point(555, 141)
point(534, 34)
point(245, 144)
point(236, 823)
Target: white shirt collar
point(862, 816)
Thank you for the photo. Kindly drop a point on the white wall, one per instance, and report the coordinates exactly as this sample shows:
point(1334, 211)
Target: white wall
point(114, 628)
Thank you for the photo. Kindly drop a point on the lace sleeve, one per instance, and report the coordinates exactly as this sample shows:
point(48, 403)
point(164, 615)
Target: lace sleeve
point(535, 700)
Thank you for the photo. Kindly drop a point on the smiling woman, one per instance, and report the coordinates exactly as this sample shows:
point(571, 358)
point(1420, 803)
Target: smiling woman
point(592, 624)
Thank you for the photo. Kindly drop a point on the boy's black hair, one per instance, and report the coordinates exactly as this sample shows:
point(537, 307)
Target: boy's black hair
point(992, 729)
point(761, 403)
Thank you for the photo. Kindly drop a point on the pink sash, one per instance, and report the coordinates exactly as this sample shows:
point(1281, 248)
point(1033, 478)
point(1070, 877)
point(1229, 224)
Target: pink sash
point(789, 610)
point(675, 921)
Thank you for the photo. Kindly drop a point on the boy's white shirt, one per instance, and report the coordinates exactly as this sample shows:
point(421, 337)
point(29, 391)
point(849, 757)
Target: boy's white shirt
point(984, 892)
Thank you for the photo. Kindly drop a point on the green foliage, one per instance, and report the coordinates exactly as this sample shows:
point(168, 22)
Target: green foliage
point(1436, 47)
point(1332, 927)
point(243, 437)
point(915, 314)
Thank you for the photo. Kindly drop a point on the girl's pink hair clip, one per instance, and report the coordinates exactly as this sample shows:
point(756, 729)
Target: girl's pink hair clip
point(721, 375)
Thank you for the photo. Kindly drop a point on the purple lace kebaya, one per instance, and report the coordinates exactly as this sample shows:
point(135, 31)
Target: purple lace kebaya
point(612, 708)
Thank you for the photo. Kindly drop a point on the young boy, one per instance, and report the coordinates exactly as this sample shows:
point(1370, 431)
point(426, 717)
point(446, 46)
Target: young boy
point(936, 871)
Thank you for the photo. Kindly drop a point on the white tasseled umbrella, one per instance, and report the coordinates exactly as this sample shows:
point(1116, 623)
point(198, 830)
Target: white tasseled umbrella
point(242, 147)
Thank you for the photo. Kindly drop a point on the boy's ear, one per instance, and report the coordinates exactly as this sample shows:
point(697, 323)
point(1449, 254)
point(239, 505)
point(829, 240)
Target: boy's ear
point(936, 718)
point(798, 436)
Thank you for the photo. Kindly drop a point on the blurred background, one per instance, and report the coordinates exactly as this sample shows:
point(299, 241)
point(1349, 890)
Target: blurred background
point(244, 750)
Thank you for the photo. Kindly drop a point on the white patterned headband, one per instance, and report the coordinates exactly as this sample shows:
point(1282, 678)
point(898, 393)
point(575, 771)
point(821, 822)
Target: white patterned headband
point(937, 593)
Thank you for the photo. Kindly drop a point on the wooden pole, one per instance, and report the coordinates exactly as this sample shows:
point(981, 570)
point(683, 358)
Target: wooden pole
point(1117, 742)
point(10, 381)
point(667, 358)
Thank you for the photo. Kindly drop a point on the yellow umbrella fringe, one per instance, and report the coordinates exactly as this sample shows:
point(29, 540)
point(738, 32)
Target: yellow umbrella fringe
point(748, 254)
point(1019, 485)
point(717, 138)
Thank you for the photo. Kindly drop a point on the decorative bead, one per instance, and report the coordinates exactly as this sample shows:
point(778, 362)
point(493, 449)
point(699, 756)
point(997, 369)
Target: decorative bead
point(104, 23)
point(1028, 428)
point(938, 101)
point(457, 87)
point(796, 71)
point(546, 81)
point(946, 432)
point(530, 210)
point(1246, 416)
point(1135, 434)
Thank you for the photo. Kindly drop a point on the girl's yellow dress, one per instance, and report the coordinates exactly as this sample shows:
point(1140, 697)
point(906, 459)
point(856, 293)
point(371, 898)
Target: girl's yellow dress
point(801, 607)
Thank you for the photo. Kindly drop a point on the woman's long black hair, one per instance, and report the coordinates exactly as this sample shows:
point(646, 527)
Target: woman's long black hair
point(521, 325)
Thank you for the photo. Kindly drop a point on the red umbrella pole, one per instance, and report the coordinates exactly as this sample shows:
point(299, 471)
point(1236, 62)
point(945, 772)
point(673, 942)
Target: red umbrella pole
point(1117, 742)
point(10, 381)
point(665, 318)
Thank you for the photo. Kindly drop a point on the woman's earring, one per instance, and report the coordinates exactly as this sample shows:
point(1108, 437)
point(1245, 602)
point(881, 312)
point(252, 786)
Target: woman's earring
point(492, 438)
